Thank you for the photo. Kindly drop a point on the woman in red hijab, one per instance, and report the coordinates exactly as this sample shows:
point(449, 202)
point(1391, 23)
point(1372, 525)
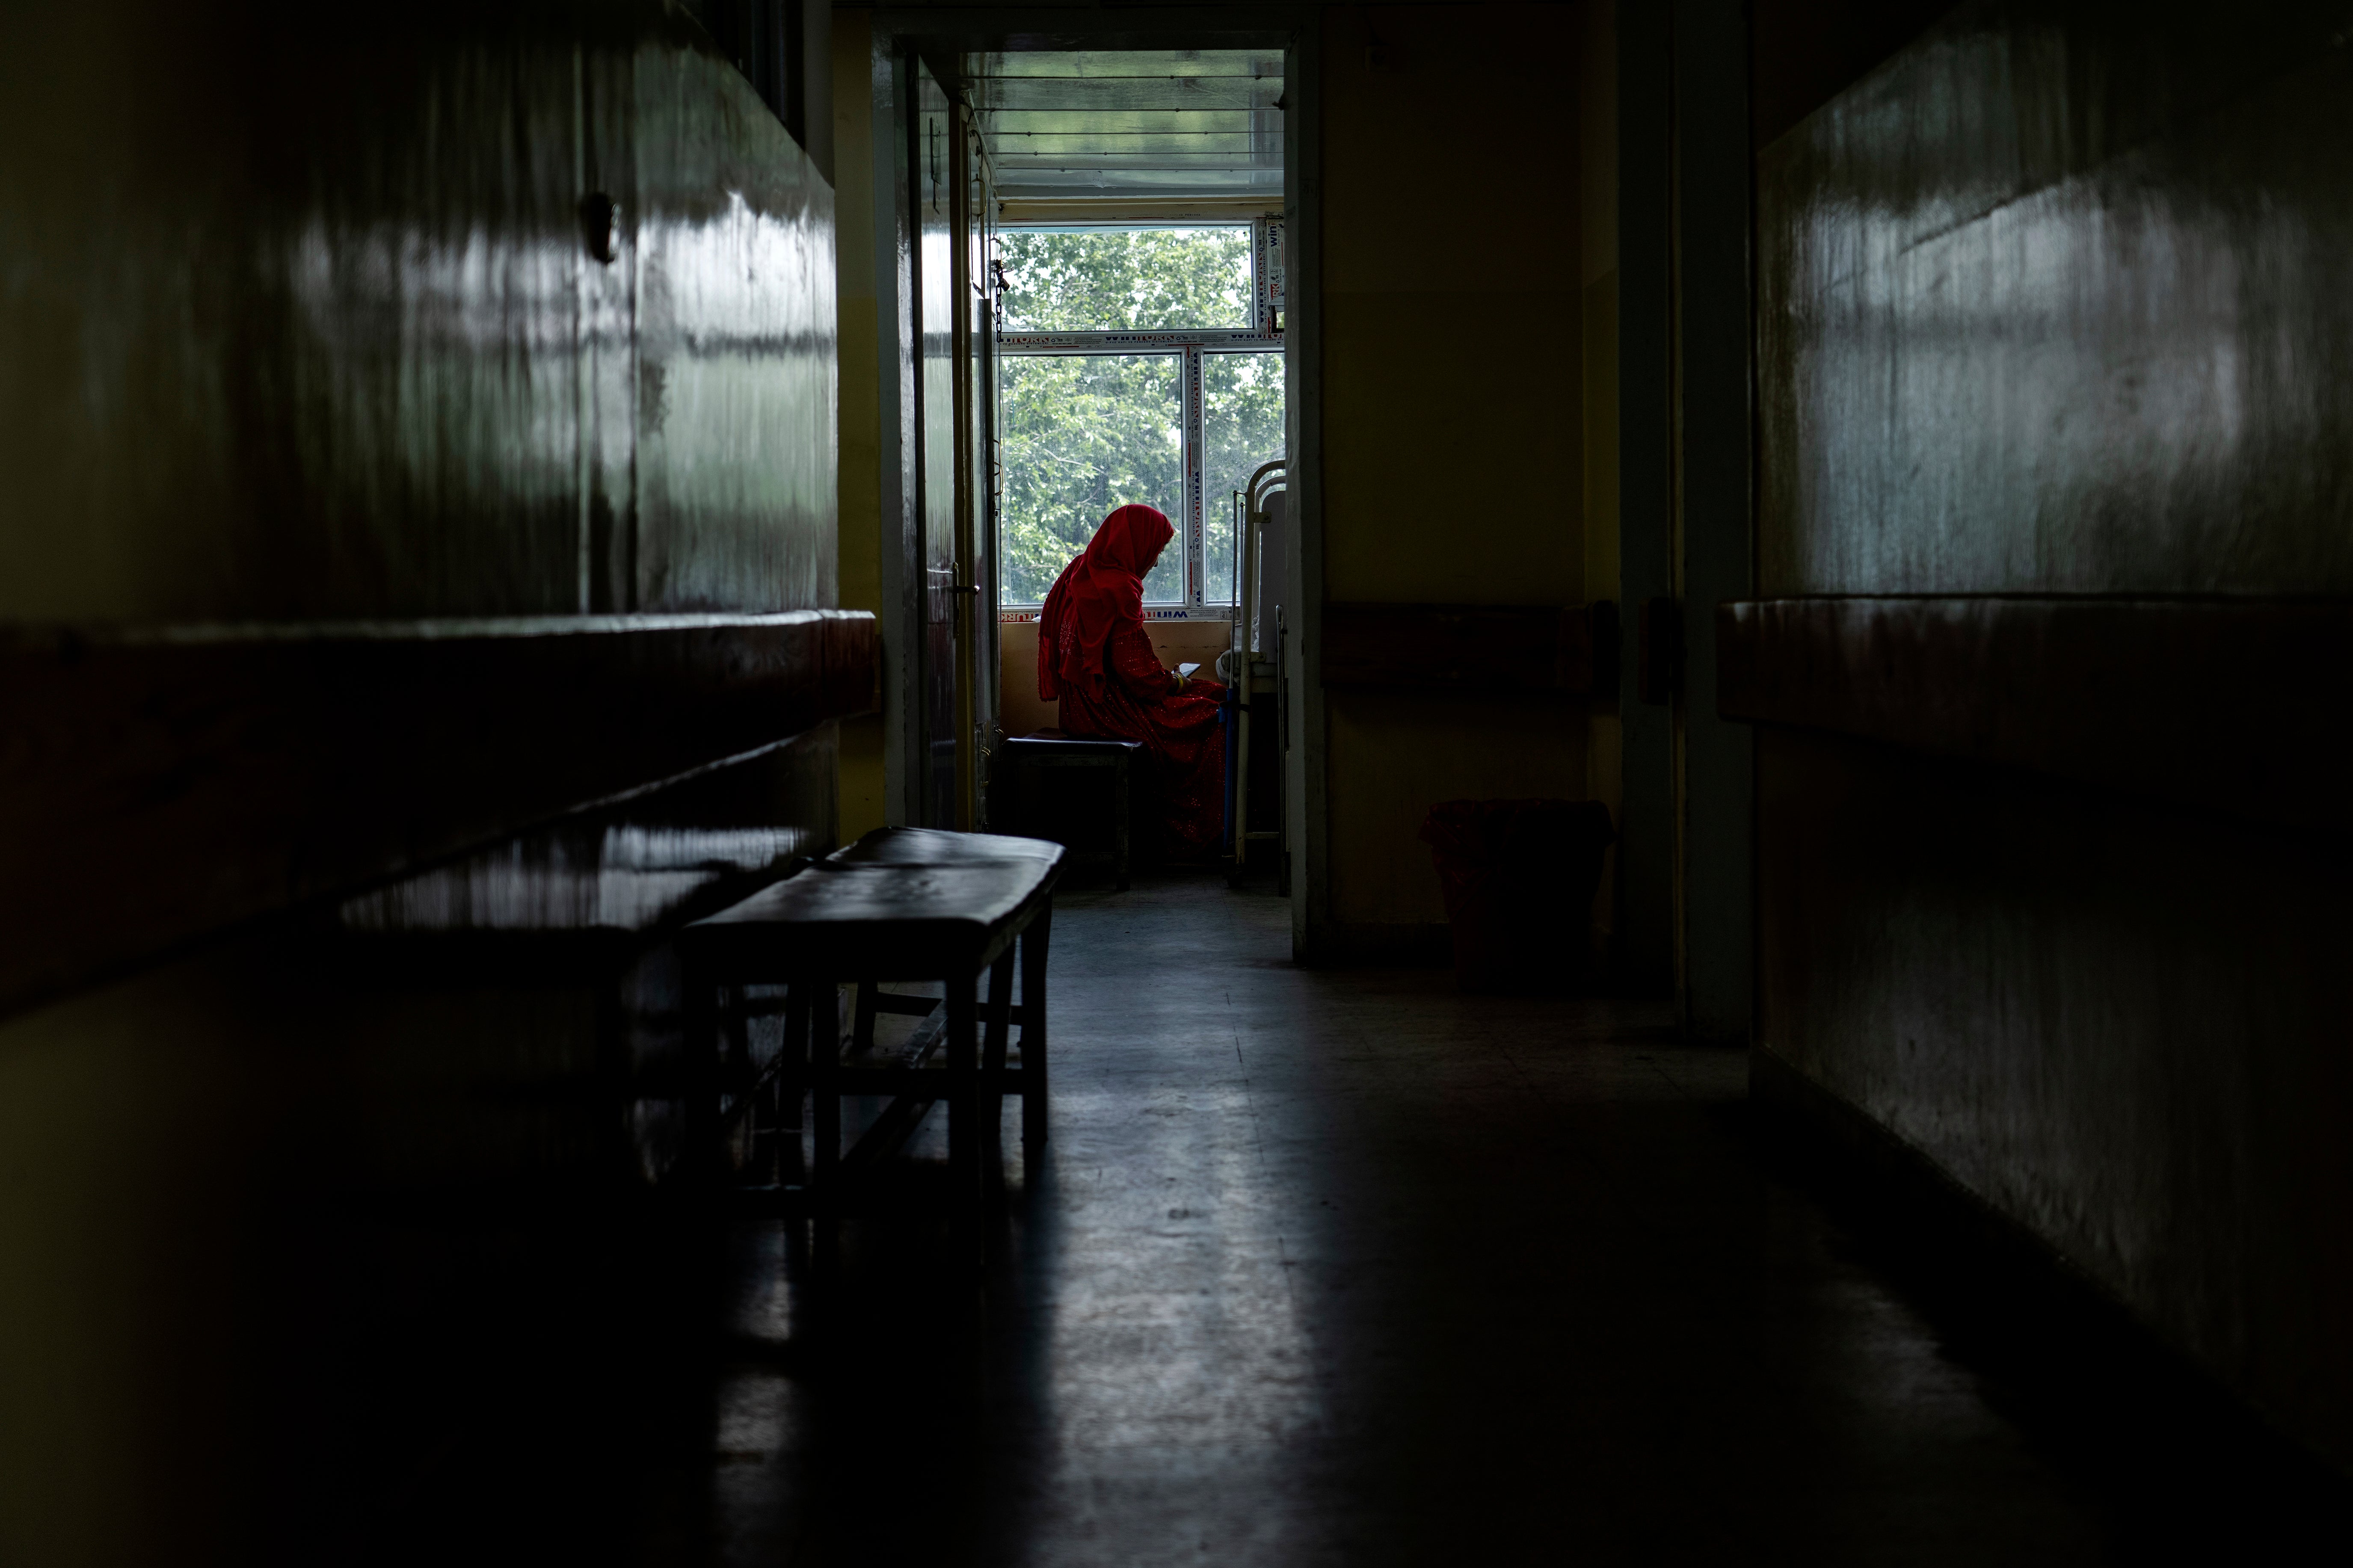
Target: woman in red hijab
point(1093, 657)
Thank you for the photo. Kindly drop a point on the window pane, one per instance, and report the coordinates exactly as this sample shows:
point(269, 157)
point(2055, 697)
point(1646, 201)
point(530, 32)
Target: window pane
point(1242, 414)
point(1125, 279)
point(1084, 433)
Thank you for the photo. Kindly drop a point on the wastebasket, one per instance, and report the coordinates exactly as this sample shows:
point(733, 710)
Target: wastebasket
point(1519, 878)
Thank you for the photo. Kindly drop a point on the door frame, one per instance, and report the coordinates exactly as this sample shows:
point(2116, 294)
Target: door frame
point(939, 35)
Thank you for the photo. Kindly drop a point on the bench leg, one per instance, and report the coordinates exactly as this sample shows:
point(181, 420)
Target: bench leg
point(792, 1084)
point(698, 1160)
point(1033, 1028)
point(964, 1104)
point(1119, 824)
point(861, 1029)
point(825, 1088)
point(996, 1025)
point(737, 1077)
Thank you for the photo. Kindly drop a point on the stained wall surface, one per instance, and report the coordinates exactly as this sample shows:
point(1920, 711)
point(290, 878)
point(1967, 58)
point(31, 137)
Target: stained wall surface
point(2050, 299)
point(302, 321)
point(2048, 304)
point(1597, 282)
point(1453, 440)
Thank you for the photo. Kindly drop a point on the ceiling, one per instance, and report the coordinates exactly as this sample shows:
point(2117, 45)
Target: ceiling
point(1162, 122)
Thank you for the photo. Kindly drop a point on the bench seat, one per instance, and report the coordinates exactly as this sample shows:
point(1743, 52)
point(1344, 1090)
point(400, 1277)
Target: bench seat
point(904, 906)
point(937, 847)
point(875, 920)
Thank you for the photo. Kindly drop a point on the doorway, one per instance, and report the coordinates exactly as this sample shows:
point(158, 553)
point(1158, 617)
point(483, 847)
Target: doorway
point(1092, 271)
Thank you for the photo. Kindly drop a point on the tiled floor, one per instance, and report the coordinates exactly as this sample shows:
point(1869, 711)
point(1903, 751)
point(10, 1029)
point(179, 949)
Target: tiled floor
point(1320, 1268)
point(1344, 1267)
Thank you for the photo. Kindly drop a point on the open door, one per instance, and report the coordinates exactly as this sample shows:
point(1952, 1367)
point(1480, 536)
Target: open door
point(976, 469)
point(937, 188)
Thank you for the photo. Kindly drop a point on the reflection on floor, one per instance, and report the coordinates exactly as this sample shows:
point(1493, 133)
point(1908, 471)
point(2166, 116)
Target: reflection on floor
point(1344, 1267)
point(1326, 1267)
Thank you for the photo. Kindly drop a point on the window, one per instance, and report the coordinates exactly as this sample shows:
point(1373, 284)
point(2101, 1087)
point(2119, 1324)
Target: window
point(1137, 362)
point(1083, 433)
point(1127, 279)
point(1241, 428)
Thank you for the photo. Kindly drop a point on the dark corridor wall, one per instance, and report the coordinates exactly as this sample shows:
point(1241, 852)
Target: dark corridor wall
point(2053, 303)
point(301, 320)
point(374, 494)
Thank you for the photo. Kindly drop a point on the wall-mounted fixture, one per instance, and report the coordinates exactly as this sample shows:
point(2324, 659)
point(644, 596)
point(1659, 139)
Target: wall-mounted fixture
point(600, 223)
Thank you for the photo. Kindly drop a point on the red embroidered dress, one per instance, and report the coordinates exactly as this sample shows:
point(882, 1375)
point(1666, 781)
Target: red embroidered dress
point(1096, 659)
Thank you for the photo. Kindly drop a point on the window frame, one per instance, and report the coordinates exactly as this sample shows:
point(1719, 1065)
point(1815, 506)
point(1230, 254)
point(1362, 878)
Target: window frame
point(1194, 344)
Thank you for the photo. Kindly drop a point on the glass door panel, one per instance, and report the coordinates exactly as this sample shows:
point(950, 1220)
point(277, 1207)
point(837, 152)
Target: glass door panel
point(932, 154)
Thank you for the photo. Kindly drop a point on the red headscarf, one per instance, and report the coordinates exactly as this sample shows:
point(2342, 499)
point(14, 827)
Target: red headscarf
point(1096, 595)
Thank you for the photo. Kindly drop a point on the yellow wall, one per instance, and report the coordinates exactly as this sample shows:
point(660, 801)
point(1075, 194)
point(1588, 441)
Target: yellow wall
point(1597, 276)
point(1454, 442)
point(1452, 467)
point(860, 793)
point(1398, 754)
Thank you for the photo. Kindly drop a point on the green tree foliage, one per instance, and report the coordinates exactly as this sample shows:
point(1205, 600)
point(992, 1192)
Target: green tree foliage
point(1242, 417)
point(1085, 434)
point(1125, 280)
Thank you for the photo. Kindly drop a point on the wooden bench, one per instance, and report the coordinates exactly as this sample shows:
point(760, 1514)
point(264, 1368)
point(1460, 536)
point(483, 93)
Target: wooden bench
point(1030, 755)
point(900, 906)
